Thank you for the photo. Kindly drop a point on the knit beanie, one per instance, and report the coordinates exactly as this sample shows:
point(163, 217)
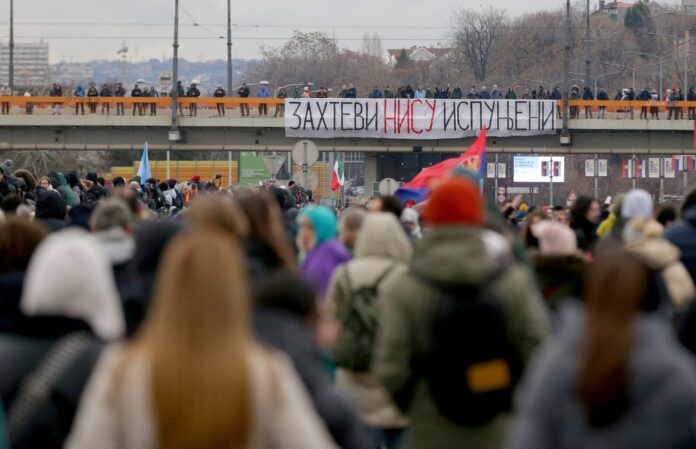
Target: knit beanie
point(555, 239)
point(637, 204)
point(457, 201)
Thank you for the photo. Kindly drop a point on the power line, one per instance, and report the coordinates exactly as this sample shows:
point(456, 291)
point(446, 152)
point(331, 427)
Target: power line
point(234, 25)
point(261, 38)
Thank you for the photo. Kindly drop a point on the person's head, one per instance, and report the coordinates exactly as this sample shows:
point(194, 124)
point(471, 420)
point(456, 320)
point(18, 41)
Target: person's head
point(266, 224)
point(45, 183)
point(10, 203)
point(560, 215)
point(287, 291)
point(316, 226)
point(689, 201)
point(410, 220)
point(456, 202)
point(667, 215)
point(382, 236)
point(19, 238)
point(118, 181)
point(219, 212)
point(351, 221)
point(387, 203)
point(198, 352)
point(528, 235)
point(612, 307)
point(111, 213)
point(585, 210)
point(637, 204)
point(554, 239)
point(50, 205)
point(69, 277)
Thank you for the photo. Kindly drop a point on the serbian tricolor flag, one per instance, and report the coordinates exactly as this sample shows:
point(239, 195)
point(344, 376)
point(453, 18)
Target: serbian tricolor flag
point(626, 171)
point(473, 159)
point(691, 166)
point(678, 163)
point(640, 168)
point(545, 169)
point(338, 178)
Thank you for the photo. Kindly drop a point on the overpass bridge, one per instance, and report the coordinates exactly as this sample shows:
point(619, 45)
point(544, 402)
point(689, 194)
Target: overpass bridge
point(618, 133)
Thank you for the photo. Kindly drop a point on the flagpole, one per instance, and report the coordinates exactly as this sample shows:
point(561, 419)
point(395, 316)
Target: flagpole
point(686, 176)
point(633, 168)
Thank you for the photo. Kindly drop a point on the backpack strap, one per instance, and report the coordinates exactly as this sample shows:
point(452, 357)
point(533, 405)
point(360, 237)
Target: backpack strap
point(36, 389)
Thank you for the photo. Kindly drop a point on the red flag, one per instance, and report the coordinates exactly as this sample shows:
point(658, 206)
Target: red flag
point(694, 133)
point(472, 159)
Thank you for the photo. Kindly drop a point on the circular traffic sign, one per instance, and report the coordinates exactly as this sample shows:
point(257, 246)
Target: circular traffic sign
point(388, 186)
point(305, 152)
point(307, 180)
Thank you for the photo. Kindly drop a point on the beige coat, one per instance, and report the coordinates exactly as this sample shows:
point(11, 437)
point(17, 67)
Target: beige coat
point(381, 245)
point(288, 422)
point(644, 238)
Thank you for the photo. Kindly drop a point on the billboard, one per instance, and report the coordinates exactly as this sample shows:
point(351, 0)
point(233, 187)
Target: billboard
point(538, 169)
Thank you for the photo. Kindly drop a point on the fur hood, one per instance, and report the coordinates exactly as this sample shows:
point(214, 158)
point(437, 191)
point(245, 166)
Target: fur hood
point(29, 179)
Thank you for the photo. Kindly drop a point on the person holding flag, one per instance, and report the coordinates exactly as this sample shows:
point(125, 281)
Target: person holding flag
point(144, 171)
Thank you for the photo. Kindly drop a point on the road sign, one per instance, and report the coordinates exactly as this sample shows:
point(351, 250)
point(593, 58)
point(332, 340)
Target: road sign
point(572, 196)
point(388, 186)
point(308, 180)
point(501, 190)
point(305, 152)
point(501, 198)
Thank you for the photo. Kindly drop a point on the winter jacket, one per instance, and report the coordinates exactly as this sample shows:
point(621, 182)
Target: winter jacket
point(602, 96)
point(663, 257)
point(485, 95)
point(381, 248)
point(683, 236)
point(286, 332)
point(120, 92)
point(560, 277)
point(320, 263)
point(136, 92)
point(662, 393)
point(587, 95)
point(79, 92)
point(263, 93)
point(105, 92)
point(243, 92)
point(56, 92)
point(290, 423)
point(448, 256)
point(219, 92)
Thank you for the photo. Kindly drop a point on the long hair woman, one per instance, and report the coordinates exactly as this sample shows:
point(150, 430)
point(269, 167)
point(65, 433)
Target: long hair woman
point(615, 377)
point(267, 246)
point(193, 378)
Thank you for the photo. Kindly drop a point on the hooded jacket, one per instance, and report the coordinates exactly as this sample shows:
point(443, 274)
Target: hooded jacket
point(661, 389)
point(50, 210)
point(448, 256)
point(381, 247)
point(320, 262)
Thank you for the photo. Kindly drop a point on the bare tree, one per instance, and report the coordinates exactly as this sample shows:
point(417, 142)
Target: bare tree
point(372, 45)
point(476, 37)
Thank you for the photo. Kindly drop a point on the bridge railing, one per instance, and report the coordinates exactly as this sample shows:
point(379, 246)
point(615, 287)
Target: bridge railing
point(578, 108)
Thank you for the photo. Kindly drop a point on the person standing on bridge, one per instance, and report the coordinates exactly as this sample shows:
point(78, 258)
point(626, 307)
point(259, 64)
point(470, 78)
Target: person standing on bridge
point(644, 97)
point(137, 93)
point(79, 92)
point(193, 92)
point(153, 103)
point(602, 96)
point(119, 92)
point(220, 93)
point(588, 95)
point(263, 107)
point(280, 107)
point(105, 92)
point(56, 91)
point(92, 94)
point(243, 92)
point(5, 91)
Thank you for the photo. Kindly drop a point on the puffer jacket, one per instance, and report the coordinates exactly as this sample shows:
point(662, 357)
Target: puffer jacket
point(683, 236)
point(448, 256)
point(381, 248)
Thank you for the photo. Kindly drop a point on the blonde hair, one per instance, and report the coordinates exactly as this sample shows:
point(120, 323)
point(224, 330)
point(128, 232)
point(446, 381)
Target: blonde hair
point(198, 343)
point(218, 211)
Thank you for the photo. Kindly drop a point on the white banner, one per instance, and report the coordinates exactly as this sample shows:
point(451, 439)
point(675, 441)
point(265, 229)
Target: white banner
point(501, 170)
point(589, 167)
point(602, 163)
point(426, 119)
point(653, 167)
point(668, 168)
point(490, 170)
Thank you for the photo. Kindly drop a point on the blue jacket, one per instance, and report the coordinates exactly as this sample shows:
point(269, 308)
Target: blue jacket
point(263, 93)
point(79, 91)
point(683, 236)
point(662, 393)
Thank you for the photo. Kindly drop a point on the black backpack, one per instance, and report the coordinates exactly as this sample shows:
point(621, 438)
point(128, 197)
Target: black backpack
point(359, 318)
point(471, 367)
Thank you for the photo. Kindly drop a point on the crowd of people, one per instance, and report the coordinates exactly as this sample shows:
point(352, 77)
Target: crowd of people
point(667, 101)
point(171, 314)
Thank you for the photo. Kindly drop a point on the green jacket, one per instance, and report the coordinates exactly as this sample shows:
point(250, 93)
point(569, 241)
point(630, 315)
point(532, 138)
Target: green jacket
point(448, 256)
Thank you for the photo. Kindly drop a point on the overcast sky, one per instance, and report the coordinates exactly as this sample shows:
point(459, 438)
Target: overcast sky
point(81, 30)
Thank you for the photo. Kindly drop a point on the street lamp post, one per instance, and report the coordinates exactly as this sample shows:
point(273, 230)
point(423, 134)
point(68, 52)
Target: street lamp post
point(174, 131)
point(229, 48)
point(588, 44)
point(566, 70)
point(11, 74)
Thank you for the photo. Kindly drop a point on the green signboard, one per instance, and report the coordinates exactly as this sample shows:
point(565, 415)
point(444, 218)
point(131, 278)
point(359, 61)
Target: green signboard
point(252, 170)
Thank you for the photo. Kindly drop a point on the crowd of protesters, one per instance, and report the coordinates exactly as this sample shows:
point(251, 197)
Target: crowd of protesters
point(653, 101)
point(154, 313)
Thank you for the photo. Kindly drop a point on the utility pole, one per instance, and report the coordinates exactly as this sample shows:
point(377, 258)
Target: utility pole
point(229, 49)
point(174, 130)
point(11, 74)
point(588, 45)
point(565, 137)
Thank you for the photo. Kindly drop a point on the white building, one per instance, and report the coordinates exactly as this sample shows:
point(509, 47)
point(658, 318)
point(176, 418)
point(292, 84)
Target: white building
point(689, 7)
point(30, 64)
point(72, 73)
point(417, 54)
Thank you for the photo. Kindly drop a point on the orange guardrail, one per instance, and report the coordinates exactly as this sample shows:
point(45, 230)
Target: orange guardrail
point(235, 102)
